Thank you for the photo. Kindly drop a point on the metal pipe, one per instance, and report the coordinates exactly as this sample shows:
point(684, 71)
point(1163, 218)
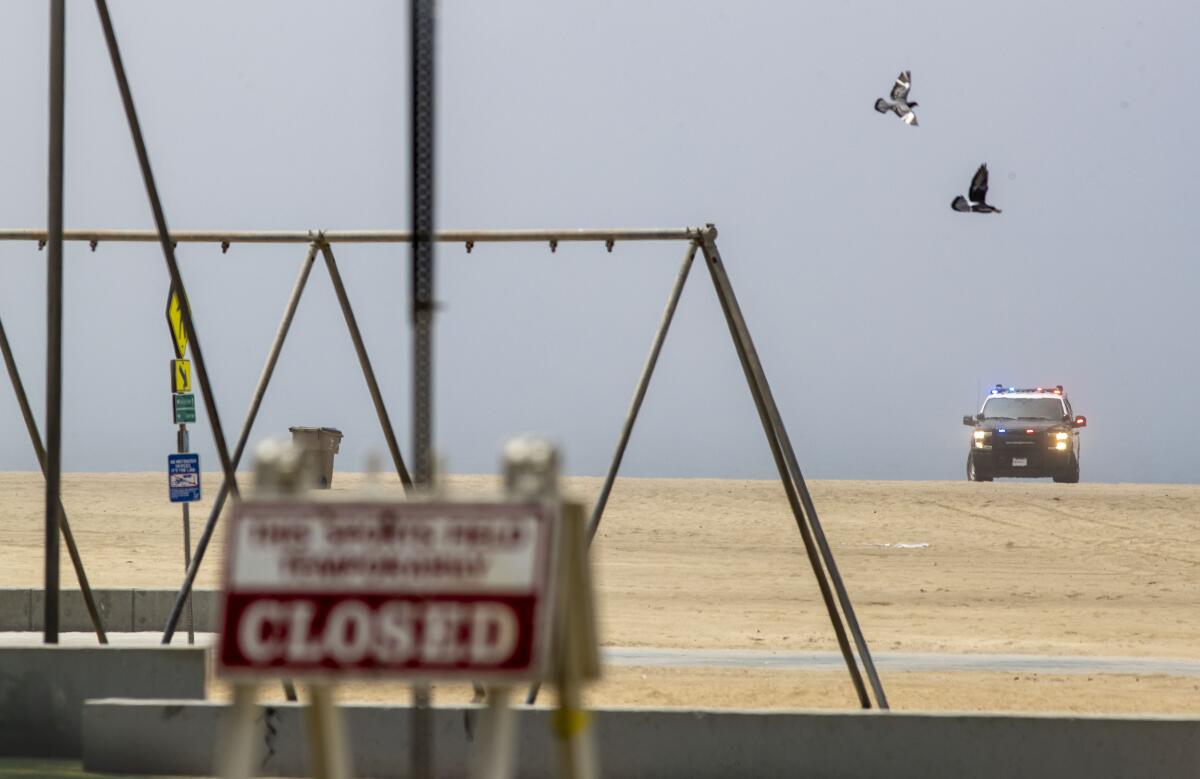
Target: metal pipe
point(364, 362)
point(756, 379)
point(835, 576)
point(168, 247)
point(806, 501)
point(39, 451)
point(617, 235)
point(422, 32)
point(260, 390)
point(54, 315)
point(640, 393)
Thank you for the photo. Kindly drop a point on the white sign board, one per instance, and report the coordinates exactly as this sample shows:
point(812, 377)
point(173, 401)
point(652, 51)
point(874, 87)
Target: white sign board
point(406, 589)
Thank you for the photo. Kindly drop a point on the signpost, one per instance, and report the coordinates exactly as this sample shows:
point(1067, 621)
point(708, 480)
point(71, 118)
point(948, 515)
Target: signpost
point(183, 468)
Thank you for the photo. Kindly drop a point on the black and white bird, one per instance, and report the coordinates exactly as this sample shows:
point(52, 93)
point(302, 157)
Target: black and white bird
point(977, 196)
point(900, 104)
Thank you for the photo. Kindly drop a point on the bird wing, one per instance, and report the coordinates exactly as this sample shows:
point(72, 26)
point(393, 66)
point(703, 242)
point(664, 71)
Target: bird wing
point(910, 118)
point(882, 106)
point(979, 185)
point(902, 85)
point(960, 204)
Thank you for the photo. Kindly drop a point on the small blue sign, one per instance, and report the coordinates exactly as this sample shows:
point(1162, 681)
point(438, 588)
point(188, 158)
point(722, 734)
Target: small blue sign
point(183, 477)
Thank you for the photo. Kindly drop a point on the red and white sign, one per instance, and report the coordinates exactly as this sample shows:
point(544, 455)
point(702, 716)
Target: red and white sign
point(409, 589)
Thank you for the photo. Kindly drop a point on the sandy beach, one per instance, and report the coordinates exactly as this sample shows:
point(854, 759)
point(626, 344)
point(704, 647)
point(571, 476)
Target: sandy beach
point(1007, 567)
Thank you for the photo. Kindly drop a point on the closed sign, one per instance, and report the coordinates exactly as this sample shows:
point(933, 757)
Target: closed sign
point(405, 589)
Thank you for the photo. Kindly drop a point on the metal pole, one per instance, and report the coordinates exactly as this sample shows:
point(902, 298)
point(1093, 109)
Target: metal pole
point(168, 247)
point(54, 314)
point(640, 393)
point(35, 438)
point(260, 390)
point(835, 576)
point(364, 362)
point(182, 440)
point(756, 379)
point(806, 500)
point(577, 235)
point(421, 113)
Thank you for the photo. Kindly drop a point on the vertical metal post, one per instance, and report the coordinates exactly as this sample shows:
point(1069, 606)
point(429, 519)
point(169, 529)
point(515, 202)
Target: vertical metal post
point(264, 379)
point(35, 438)
point(54, 313)
point(639, 394)
point(182, 440)
point(364, 362)
point(421, 49)
point(422, 195)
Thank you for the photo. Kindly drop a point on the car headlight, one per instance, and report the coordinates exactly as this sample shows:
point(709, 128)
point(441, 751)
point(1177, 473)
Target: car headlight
point(1061, 436)
point(980, 437)
point(1062, 441)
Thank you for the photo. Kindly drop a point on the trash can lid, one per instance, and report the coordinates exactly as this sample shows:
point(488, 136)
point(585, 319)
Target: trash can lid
point(332, 430)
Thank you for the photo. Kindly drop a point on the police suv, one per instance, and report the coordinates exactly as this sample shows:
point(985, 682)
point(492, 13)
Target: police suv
point(1025, 433)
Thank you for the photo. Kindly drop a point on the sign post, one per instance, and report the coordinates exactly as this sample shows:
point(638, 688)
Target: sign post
point(183, 405)
point(322, 590)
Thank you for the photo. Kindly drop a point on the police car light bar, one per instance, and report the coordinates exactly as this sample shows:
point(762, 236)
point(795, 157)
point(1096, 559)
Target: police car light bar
point(999, 388)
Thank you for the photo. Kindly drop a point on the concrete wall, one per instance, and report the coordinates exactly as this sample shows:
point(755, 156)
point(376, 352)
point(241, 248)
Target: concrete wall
point(170, 737)
point(121, 610)
point(42, 689)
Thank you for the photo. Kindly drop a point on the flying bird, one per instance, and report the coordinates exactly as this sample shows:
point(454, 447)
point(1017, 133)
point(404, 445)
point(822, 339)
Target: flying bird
point(900, 105)
point(976, 196)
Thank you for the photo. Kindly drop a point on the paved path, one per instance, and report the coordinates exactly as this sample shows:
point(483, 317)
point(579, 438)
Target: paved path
point(663, 657)
point(899, 661)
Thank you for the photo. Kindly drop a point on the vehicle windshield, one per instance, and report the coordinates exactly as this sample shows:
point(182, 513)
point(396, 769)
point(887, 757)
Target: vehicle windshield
point(1024, 408)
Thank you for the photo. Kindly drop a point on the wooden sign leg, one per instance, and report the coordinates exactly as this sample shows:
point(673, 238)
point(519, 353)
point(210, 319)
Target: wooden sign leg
point(329, 750)
point(240, 734)
point(495, 751)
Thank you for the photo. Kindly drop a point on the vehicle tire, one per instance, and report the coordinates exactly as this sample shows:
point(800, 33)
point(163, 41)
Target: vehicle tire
point(974, 473)
point(1070, 475)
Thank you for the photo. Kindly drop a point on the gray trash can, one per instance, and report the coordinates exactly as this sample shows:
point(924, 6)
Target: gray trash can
point(321, 444)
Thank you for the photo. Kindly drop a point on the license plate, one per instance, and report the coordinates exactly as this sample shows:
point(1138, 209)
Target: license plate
point(1020, 462)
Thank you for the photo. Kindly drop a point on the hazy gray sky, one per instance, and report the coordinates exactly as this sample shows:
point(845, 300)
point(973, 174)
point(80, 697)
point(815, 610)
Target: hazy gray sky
point(879, 313)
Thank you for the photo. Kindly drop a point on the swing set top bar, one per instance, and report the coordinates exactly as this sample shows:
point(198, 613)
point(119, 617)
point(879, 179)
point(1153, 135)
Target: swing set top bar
point(368, 236)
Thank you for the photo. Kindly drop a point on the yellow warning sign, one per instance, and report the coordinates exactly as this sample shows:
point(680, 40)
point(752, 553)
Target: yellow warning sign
point(175, 323)
point(181, 376)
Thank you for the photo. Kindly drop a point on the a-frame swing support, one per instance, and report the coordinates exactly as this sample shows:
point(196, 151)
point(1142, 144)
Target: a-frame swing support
point(837, 601)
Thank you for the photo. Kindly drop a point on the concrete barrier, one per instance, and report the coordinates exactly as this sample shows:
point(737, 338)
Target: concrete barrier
point(43, 688)
point(173, 737)
point(16, 609)
point(115, 607)
point(121, 610)
point(152, 607)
